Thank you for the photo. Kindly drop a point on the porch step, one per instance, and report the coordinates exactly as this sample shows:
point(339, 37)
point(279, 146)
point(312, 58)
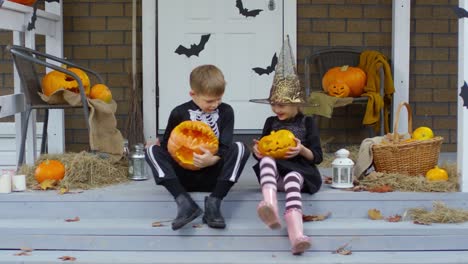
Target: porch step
point(216, 257)
point(240, 235)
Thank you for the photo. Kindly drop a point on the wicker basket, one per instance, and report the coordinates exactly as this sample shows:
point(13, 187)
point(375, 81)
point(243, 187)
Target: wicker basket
point(409, 157)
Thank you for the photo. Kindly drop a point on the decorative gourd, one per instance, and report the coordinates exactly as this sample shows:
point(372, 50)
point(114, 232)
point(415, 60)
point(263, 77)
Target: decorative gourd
point(276, 144)
point(436, 174)
point(338, 89)
point(49, 170)
point(56, 80)
point(24, 2)
point(187, 138)
point(102, 92)
point(354, 77)
point(422, 133)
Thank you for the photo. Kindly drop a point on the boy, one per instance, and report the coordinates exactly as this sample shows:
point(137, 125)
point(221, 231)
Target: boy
point(218, 172)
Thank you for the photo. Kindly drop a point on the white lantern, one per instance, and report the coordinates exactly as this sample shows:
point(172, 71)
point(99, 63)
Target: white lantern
point(342, 170)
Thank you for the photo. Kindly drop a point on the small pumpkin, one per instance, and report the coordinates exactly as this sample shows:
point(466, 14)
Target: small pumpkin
point(102, 92)
point(276, 144)
point(56, 80)
point(422, 133)
point(338, 89)
point(354, 77)
point(187, 138)
point(437, 174)
point(49, 170)
point(24, 2)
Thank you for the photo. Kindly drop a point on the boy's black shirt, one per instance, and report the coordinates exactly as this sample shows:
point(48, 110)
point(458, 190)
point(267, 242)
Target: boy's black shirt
point(225, 123)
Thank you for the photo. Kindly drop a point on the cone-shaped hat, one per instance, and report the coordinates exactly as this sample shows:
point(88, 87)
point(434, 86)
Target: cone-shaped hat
point(286, 87)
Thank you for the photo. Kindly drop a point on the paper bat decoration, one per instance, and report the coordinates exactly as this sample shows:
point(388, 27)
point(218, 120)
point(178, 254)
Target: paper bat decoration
point(268, 69)
point(194, 49)
point(32, 24)
point(460, 12)
point(245, 12)
point(464, 94)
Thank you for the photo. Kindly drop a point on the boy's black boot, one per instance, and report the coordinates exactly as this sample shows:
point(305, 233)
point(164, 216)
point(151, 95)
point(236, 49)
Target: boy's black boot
point(187, 211)
point(213, 217)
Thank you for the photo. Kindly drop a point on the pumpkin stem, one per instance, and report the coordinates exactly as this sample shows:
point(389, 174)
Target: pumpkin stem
point(344, 68)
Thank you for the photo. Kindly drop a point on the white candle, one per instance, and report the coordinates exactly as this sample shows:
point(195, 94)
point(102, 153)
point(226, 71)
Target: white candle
point(18, 183)
point(5, 183)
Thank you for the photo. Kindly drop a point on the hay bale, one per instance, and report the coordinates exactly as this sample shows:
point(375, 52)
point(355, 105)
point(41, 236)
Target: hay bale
point(440, 214)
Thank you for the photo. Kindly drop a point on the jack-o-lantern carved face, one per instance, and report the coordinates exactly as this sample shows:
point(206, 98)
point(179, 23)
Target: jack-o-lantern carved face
point(276, 144)
point(56, 80)
point(338, 89)
point(187, 138)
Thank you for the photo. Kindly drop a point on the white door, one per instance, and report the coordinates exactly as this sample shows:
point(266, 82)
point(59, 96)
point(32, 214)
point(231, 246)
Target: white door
point(237, 43)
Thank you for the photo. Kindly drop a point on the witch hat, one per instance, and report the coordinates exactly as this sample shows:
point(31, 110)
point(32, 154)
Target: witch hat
point(286, 87)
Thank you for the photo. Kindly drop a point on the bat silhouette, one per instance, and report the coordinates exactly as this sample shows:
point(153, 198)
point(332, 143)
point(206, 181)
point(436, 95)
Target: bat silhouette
point(464, 94)
point(245, 12)
point(460, 12)
point(194, 49)
point(268, 69)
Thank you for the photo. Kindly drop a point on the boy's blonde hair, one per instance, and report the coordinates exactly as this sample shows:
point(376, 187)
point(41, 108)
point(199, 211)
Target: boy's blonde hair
point(207, 80)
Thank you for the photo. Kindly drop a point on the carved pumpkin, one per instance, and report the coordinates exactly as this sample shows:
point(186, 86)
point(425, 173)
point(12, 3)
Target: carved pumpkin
point(49, 170)
point(437, 174)
point(338, 89)
point(24, 2)
point(187, 138)
point(354, 77)
point(102, 92)
point(276, 144)
point(55, 80)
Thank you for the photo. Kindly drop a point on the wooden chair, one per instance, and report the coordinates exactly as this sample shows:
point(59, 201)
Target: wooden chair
point(27, 62)
point(326, 59)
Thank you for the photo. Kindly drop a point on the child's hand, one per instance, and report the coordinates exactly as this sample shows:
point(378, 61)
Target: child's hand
point(151, 143)
point(255, 149)
point(294, 151)
point(204, 160)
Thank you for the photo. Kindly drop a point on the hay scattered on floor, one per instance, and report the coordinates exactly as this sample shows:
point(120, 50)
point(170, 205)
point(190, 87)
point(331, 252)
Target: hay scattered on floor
point(440, 214)
point(405, 183)
point(82, 171)
point(328, 157)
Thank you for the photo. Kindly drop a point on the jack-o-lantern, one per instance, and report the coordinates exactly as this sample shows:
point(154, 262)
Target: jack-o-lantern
point(338, 89)
point(354, 77)
point(56, 80)
point(188, 138)
point(24, 2)
point(276, 144)
point(102, 92)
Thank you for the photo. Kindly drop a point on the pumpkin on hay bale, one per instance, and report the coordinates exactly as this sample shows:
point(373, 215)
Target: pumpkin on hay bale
point(82, 170)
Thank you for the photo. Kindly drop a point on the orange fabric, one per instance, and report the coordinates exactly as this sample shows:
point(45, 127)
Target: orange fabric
point(371, 62)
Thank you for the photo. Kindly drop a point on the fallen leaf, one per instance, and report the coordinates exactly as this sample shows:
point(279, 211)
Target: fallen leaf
point(197, 225)
point(381, 189)
point(421, 223)
point(67, 258)
point(22, 253)
point(63, 190)
point(393, 219)
point(343, 250)
point(48, 184)
point(359, 188)
point(313, 218)
point(76, 219)
point(26, 249)
point(327, 180)
point(157, 224)
point(374, 214)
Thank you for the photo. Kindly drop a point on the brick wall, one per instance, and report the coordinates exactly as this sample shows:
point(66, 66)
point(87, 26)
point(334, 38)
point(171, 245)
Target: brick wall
point(98, 34)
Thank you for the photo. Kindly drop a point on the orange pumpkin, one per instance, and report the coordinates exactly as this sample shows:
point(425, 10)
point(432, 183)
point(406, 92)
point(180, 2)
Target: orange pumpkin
point(56, 80)
point(354, 77)
point(102, 92)
point(24, 2)
point(338, 89)
point(276, 144)
point(187, 138)
point(49, 170)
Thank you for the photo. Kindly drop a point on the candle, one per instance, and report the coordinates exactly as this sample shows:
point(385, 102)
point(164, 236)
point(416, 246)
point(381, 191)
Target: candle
point(5, 182)
point(18, 183)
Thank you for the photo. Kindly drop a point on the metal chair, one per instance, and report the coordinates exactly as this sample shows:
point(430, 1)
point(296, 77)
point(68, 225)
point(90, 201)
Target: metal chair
point(326, 59)
point(27, 62)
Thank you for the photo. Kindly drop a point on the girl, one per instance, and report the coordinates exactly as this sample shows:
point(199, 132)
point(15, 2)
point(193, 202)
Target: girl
point(295, 174)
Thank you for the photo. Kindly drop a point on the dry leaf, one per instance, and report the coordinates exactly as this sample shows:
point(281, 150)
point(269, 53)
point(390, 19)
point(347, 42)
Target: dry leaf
point(22, 253)
point(197, 225)
point(67, 258)
point(48, 184)
point(381, 189)
point(421, 223)
point(157, 224)
point(393, 219)
point(327, 180)
point(359, 188)
point(63, 190)
point(343, 250)
point(26, 249)
point(374, 214)
point(76, 219)
point(312, 218)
